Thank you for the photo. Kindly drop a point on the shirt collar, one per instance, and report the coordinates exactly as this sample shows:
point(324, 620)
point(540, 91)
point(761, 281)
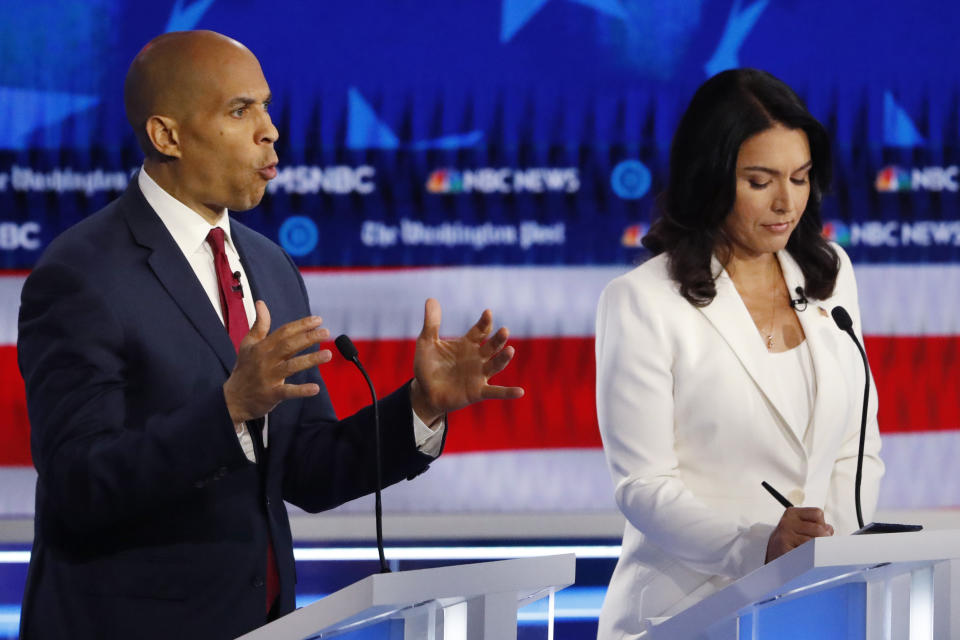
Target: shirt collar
point(188, 228)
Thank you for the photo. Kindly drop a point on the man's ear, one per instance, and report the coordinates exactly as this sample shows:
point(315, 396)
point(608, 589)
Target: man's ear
point(163, 134)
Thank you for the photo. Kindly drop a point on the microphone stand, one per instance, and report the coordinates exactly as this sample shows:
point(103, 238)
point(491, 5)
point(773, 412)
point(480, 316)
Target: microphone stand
point(845, 323)
point(347, 349)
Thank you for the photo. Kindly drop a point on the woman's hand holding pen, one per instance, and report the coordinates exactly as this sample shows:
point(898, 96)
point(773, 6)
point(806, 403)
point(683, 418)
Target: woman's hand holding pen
point(796, 526)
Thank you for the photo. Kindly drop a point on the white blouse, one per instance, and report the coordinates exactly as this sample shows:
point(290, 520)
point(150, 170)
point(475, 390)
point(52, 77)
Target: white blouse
point(797, 385)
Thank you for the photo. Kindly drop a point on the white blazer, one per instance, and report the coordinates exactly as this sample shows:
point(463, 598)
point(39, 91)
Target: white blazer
point(692, 422)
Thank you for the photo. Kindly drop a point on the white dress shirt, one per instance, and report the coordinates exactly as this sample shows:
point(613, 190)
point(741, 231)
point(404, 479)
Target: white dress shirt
point(189, 231)
point(797, 384)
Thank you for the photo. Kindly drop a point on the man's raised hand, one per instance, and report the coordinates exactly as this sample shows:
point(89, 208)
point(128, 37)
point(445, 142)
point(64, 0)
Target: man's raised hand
point(451, 374)
point(264, 361)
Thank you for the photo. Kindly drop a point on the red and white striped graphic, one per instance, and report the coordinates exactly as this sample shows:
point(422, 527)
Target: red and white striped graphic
point(542, 453)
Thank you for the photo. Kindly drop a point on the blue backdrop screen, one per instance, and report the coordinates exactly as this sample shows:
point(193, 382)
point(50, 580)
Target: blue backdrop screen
point(512, 132)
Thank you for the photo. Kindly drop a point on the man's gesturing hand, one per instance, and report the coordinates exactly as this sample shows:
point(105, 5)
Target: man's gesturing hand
point(450, 374)
point(796, 526)
point(264, 361)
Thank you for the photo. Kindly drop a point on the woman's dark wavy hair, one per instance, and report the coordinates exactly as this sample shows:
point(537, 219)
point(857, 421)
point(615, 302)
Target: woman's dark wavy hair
point(726, 110)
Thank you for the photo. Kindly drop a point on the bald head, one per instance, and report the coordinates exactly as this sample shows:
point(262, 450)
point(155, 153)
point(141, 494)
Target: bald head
point(199, 105)
point(172, 76)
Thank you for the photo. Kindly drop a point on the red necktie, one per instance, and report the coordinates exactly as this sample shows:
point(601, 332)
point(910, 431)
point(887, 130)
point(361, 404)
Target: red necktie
point(235, 320)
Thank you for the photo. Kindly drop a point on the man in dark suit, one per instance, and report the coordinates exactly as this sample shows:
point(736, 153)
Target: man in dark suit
point(166, 435)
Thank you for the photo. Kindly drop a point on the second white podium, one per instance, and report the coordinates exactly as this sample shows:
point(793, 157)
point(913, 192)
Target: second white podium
point(875, 587)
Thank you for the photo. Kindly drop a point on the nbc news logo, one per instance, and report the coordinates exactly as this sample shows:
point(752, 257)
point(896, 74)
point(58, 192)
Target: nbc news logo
point(893, 179)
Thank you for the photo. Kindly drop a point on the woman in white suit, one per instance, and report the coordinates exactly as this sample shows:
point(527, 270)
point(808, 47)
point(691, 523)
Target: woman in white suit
point(719, 366)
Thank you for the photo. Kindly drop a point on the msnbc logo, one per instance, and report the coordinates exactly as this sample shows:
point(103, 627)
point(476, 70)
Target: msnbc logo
point(837, 231)
point(633, 235)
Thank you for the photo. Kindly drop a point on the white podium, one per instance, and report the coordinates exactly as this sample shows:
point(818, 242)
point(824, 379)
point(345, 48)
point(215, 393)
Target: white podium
point(875, 587)
point(471, 601)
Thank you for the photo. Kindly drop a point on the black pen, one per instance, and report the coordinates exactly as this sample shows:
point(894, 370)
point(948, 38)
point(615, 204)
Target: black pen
point(776, 494)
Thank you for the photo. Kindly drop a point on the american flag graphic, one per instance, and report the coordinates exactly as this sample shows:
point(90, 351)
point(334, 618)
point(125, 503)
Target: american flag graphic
point(543, 452)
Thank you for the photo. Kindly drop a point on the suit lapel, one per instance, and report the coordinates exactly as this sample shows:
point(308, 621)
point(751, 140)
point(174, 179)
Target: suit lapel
point(175, 274)
point(252, 266)
point(730, 317)
point(258, 281)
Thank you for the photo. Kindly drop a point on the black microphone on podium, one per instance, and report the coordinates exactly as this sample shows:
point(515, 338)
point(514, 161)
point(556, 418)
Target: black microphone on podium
point(845, 323)
point(347, 349)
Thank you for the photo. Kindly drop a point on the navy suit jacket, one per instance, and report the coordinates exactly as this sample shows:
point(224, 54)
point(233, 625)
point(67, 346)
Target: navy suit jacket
point(150, 520)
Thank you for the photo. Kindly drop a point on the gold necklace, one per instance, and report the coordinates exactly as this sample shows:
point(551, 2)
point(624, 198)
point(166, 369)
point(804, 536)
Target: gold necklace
point(773, 315)
point(773, 324)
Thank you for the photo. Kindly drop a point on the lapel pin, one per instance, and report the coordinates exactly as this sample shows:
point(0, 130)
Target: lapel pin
point(823, 312)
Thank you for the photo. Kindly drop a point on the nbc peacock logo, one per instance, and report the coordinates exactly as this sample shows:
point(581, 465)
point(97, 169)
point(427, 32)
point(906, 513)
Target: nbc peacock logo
point(893, 178)
point(445, 181)
point(837, 231)
point(633, 235)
